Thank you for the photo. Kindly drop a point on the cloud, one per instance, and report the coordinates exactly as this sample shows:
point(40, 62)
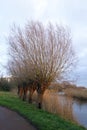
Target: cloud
point(67, 12)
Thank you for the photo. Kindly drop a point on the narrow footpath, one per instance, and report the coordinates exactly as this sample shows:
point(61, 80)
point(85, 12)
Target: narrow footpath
point(10, 120)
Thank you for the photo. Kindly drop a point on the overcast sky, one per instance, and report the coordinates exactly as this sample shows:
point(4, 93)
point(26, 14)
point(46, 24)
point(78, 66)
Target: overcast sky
point(72, 13)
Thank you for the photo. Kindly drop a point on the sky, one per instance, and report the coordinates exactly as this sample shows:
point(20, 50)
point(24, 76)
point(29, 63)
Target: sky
point(71, 13)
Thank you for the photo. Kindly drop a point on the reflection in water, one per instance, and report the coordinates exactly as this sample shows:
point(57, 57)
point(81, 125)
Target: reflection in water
point(66, 107)
point(80, 112)
point(58, 104)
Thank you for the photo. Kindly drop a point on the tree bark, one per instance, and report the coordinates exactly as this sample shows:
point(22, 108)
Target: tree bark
point(21, 92)
point(18, 89)
point(24, 92)
point(40, 100)
point(31, 91)
point(40, 92)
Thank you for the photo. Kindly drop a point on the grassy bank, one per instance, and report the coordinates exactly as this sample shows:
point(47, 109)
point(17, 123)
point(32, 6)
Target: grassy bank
point(41, 119)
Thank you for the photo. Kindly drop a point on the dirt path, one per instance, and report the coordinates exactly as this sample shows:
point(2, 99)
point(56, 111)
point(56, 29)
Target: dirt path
point(10, 120)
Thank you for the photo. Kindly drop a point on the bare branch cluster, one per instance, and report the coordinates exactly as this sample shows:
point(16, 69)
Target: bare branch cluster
point(40, 53)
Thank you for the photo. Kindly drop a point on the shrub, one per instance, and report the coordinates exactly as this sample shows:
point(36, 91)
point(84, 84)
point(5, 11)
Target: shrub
point(5, 85)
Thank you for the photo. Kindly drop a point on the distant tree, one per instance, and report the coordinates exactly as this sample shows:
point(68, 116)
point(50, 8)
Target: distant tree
point(5, 85)
point(41, 54)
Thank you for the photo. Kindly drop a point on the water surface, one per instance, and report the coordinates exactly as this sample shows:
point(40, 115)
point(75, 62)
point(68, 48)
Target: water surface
point(80, 112)
point(67, 107)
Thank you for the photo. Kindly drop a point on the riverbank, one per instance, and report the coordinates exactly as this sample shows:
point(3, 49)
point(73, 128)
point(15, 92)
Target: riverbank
point(78, 93)
point(42, 120)
point(71, 90)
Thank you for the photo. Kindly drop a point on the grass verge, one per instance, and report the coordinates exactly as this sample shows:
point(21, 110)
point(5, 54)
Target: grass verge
point(41, 119)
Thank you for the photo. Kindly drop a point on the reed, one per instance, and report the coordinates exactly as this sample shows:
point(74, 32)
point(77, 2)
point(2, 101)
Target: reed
point(41, 119)
point(56, 104)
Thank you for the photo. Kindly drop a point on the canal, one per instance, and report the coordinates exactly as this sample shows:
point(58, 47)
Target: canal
point(67, 107)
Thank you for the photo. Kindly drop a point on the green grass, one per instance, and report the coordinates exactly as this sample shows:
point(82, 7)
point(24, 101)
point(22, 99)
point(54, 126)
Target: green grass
point(41, 119)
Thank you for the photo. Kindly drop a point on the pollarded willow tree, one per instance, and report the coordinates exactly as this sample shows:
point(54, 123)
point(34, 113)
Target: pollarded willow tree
point(41, 54)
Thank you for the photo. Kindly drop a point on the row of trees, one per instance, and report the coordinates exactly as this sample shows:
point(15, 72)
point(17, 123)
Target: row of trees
point(39, 55)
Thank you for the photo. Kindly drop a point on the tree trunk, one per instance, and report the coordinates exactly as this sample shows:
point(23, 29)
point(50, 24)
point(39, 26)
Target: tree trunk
point(40, 100)
point(31, 91)
point(24, 92)
point(18, 89)
point(40, 92)
point(20, 92)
